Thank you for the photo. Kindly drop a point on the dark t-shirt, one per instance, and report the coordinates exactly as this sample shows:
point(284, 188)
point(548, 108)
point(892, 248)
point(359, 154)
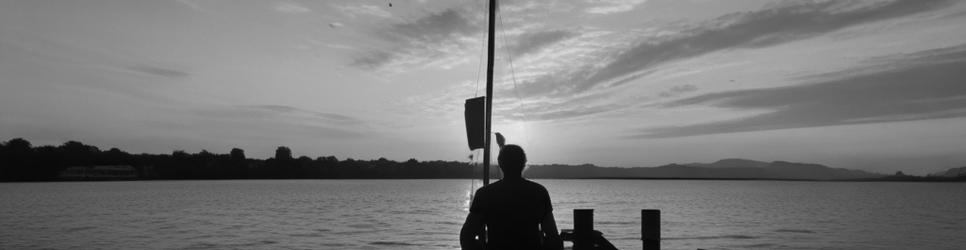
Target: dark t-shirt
point(512, 211)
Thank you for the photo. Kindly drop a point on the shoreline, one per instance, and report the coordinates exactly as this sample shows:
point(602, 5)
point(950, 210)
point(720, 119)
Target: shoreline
point(884, 179)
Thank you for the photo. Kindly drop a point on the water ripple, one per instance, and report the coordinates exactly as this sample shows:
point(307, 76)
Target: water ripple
point(428, 214)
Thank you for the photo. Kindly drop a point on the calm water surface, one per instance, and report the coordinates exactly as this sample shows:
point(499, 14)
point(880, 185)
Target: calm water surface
point(427, 214)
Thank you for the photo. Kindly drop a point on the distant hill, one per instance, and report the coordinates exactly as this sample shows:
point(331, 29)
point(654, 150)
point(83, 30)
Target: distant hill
point(951, 173)
point(723, 169)
point(731, 163)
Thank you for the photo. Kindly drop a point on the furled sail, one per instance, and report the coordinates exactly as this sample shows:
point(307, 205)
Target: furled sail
point(475, 114)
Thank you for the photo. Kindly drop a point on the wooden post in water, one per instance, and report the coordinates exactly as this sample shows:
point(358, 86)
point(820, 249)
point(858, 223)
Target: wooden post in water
point(651, 229)
point(583, 229)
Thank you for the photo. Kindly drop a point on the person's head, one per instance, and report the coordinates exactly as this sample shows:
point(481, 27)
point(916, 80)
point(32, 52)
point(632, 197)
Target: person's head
point(512, 159)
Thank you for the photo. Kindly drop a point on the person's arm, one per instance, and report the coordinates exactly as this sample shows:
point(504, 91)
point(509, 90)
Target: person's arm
point(551, 237)
point(471, 232)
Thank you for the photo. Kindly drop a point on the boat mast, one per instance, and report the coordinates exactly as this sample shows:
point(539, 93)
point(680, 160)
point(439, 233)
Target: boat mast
point(489, 93)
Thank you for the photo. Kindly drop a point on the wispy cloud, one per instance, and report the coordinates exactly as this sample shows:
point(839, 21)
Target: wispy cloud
point(917, 86)
point(678, 90)
point(612, 6)
point(364, 10)
point(433, 27)
point(333, 118)
point(553, 72)
point(291, 8)
point(438, 39)
point(339, 46)
point(372, 59)
point(581, 71)
point(269, 122)
point(533, 41)
point(157, 71)
point(767, 27)
point(545, 52)
point(191, 4)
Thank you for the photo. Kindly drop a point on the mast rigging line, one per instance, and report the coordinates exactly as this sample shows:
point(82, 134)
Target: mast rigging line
point(513, 77)
point(479, 67)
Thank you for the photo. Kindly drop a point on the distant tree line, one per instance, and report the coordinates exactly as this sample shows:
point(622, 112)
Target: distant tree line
point(21, 161)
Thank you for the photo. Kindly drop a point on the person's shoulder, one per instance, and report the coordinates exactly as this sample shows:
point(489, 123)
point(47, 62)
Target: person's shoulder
point(535, 185)
point(488, 188)
point(483, 189)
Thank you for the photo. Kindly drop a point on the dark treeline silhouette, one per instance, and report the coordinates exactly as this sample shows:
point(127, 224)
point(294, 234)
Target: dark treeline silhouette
point(21, 161)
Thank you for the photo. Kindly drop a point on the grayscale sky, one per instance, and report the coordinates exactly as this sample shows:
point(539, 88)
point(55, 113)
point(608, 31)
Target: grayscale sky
point(874, 85)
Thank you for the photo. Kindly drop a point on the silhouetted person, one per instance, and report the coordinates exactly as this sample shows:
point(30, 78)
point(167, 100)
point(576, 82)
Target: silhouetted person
point(516, 212)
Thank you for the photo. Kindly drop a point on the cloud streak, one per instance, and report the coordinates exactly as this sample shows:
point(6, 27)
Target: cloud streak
point(431, 39)
point(613, 6)
point(289, 110)
point(534, 41)
point(919, 86)
point(291, 8)
point(158, 71)
point(365, 9)
point(434, 27)
point(767, 27)
point(557, 88)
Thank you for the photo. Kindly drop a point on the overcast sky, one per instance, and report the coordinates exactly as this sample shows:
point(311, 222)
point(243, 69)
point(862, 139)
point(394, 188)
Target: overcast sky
point(874, 85)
